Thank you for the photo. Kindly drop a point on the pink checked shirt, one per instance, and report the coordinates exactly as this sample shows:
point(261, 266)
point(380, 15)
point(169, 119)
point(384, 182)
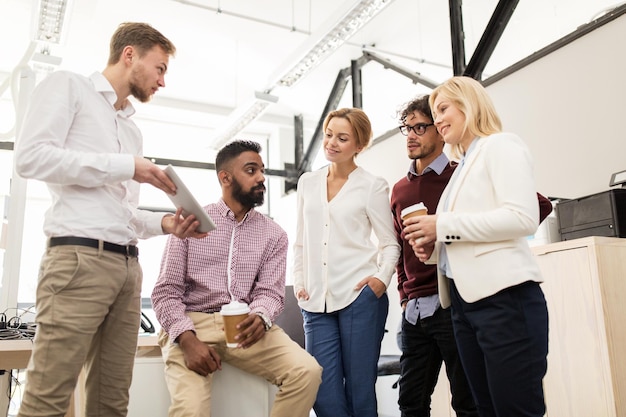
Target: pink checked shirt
point(194, 275)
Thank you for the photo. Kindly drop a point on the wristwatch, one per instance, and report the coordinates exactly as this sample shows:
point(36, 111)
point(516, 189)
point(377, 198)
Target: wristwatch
point(266, 321)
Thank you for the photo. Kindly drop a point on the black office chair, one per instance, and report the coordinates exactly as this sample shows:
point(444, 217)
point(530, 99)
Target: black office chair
point(390, 364)
point(290, 320)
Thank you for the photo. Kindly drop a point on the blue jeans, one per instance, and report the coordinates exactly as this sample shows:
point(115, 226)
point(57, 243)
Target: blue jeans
point(346, 343)
point(425, 346)
point(503, 345)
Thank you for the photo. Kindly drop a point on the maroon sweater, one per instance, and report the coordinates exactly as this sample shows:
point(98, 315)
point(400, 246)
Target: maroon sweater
point(416, 279)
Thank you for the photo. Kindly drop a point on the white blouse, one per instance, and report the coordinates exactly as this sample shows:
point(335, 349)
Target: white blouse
point(334, 249)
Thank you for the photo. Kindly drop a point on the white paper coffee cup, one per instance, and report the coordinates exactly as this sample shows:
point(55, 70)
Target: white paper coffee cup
point(418, 209)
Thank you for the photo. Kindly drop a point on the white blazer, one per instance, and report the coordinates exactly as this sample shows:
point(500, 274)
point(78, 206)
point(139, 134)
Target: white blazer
point(491, 209)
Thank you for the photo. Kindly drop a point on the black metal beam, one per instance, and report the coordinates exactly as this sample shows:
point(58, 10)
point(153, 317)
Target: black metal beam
point(285, 173)
point(388, 134)
point(558, 44)
point(303, 162)
point(291, 183)
point(491, 36)
point(331, 104)
point(362, 60)
point(7, 146)
point(298, 127)
point(457, 36)
point(357, 84)
point(416, 77)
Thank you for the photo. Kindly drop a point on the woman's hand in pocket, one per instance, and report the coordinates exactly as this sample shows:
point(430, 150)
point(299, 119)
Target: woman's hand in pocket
point(377, 286)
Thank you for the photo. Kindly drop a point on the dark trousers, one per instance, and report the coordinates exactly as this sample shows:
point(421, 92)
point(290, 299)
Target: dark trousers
point(503, 345)
point(425, 346)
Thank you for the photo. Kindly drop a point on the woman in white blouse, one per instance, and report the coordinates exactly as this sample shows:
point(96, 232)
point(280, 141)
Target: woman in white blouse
point(340, 274)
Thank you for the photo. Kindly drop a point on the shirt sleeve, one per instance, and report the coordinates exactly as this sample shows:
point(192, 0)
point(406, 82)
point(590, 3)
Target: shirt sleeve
point(268, 295)
point(40, 149)
point(401, 273)
point(146, 223)
point(380, 216)
point(298, 274)
point(168, 292)
point(545, 207)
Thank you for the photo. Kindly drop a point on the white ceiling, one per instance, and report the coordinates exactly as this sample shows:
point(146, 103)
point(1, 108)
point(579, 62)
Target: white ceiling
point(223, 58)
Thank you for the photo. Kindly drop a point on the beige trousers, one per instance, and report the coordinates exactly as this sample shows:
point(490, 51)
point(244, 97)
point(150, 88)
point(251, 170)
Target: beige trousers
point(88, 313)
point(275, 357)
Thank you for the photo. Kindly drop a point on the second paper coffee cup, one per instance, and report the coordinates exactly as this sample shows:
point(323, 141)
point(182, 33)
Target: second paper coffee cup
point(233, 313)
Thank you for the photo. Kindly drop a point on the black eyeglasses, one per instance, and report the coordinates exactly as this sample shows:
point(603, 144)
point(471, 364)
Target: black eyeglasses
point(419, 129)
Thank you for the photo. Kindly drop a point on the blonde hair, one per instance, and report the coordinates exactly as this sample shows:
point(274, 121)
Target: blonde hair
point(471, 98)
point(358, 120)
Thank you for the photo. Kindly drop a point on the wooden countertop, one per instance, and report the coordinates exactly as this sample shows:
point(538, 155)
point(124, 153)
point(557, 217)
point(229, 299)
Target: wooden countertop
point(14, 354)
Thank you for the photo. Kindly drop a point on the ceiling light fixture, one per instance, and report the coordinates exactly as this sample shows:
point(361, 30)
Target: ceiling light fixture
point(331, 39)
point(243, 117)
point(319, 46)
point(51, 19)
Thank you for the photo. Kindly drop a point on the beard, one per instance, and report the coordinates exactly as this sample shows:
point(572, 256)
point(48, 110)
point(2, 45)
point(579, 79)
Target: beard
point(137, 91)
point(252, 198)
point(423, 152)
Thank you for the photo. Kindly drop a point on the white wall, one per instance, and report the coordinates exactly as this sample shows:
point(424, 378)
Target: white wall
point(569, 107)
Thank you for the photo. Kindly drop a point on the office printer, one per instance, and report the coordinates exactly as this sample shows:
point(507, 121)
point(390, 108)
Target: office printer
point(601, 214)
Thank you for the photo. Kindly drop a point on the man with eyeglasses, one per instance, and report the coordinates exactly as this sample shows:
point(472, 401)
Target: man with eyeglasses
point(427, 338)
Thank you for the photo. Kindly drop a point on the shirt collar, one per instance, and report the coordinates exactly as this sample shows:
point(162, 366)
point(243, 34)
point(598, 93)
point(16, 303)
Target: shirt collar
point(438, 165)
point(104, 87)
point(228, 213)
point(471, 147)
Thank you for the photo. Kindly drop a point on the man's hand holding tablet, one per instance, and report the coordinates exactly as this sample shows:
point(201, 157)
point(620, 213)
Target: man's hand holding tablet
point(185, 200)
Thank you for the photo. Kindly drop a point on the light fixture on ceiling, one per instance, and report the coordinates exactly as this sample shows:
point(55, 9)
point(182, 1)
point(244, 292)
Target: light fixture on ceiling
point(50, 18)
point(331, 39)
point(50, 21)
point(243, 117)
point(317, 48)
point(44, 62)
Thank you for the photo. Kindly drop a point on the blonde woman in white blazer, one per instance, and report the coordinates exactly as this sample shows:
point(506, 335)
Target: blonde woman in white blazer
point(487, 273)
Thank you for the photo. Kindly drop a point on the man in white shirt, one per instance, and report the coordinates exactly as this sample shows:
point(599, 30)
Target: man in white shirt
point(79, 139)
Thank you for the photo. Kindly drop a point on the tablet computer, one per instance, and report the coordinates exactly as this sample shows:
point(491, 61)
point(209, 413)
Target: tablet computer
point(187, 201)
